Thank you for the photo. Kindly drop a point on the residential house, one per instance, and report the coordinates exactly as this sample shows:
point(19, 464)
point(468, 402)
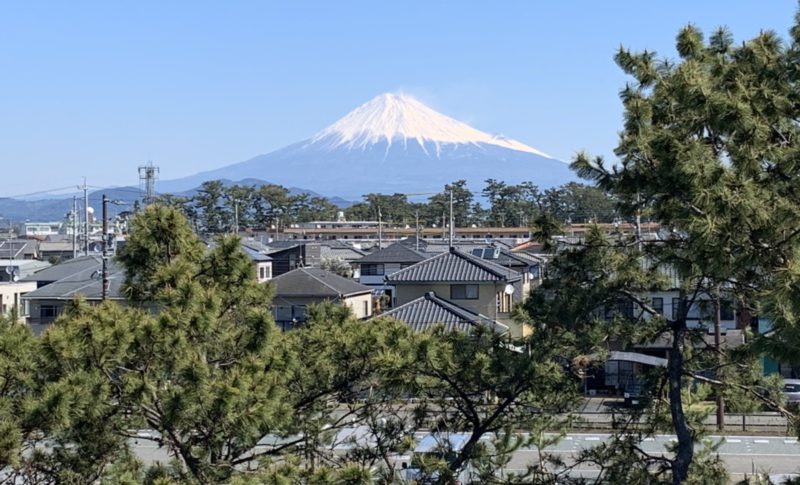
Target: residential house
point(41, 229)
point(622, 370)
point(56, 251)
point(11, 302)
point(17, 269)
point(79, 277)
point(261, 262)
point(340, 250)
point(429, 310)
point(19, 249)
point(530, 267)
point(299, 288)
point(51, 274)
point(290, 255)
point(479, 285)
point(372, 269)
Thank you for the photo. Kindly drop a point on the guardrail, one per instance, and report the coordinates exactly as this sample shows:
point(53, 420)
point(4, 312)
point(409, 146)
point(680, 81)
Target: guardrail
point(739, 422)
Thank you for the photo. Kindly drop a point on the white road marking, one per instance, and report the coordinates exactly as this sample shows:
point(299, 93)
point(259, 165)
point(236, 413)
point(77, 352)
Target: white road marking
point(761, 441)
point(732, 440)
point(592, 438)
point(790, 442)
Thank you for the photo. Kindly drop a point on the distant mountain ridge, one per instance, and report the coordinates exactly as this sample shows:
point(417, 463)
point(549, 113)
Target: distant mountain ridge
point(393, 143)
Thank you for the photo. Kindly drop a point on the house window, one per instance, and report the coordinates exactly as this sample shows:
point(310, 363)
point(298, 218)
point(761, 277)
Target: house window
point(371, 270)
point(624, 308)
point(658, 305)
point(262, 272)
point(464, 292)
point(366, 309)
point(726, 310)
point(48, 311)
point(676, 308)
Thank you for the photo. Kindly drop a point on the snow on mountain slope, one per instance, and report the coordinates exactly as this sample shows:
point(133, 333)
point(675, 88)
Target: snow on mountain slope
point(392, 143)
point(400, 118)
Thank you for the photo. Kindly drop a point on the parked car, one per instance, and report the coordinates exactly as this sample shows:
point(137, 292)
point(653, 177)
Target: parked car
point(791, 388)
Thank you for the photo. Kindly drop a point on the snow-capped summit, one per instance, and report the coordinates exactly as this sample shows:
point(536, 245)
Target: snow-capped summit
point(394, 118)
point(393, 144)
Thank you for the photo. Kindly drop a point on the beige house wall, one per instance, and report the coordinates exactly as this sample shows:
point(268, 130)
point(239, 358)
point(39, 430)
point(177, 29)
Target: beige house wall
point(355, 303)
point(360, 304)
point(485, 304)
point(11, 298)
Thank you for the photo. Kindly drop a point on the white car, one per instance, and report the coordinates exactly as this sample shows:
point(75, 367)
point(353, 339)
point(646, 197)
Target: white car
point(791, 388)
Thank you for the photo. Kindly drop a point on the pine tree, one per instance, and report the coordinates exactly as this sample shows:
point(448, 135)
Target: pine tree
point(708, 149)
point(198, 358)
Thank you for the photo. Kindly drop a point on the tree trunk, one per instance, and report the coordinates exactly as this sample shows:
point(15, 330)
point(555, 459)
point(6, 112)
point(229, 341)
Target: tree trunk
point(685, 450)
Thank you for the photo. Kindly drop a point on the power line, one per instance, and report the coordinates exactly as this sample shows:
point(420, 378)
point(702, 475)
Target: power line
point(38, 193)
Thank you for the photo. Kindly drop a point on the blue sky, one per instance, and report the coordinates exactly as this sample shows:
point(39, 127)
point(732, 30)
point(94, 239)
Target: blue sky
point(96, 88)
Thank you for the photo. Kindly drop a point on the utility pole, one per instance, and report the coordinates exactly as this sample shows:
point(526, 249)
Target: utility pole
point(638, 223)
point(85, 189)
point(10, 246)
point(380, 229)
point(74, 221)
point(717, 340)
point(105, 247)
point(416, 219)
point(236, 216)
point(452, 229)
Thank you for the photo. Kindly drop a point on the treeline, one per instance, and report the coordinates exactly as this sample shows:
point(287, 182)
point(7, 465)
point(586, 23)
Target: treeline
point(217, 208)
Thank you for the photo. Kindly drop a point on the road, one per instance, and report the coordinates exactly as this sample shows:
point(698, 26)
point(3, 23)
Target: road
point(741, 454)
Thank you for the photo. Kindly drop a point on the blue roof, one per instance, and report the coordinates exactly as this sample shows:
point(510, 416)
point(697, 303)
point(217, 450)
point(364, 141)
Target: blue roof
point(255, 255)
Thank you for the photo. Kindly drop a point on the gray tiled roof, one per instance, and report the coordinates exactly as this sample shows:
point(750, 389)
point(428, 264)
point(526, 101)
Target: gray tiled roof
point(396, 253)
point(429, 310)
point(315, 282)
point(454, 266)
point(55, 246)
point(66, 269)
point(18, 249)
point(86, 282)
point(346, 253)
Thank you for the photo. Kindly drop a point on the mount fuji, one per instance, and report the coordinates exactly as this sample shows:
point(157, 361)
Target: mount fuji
point(393, 143)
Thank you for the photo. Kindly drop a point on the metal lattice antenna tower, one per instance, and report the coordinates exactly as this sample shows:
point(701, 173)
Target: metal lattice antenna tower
point(147, 182)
